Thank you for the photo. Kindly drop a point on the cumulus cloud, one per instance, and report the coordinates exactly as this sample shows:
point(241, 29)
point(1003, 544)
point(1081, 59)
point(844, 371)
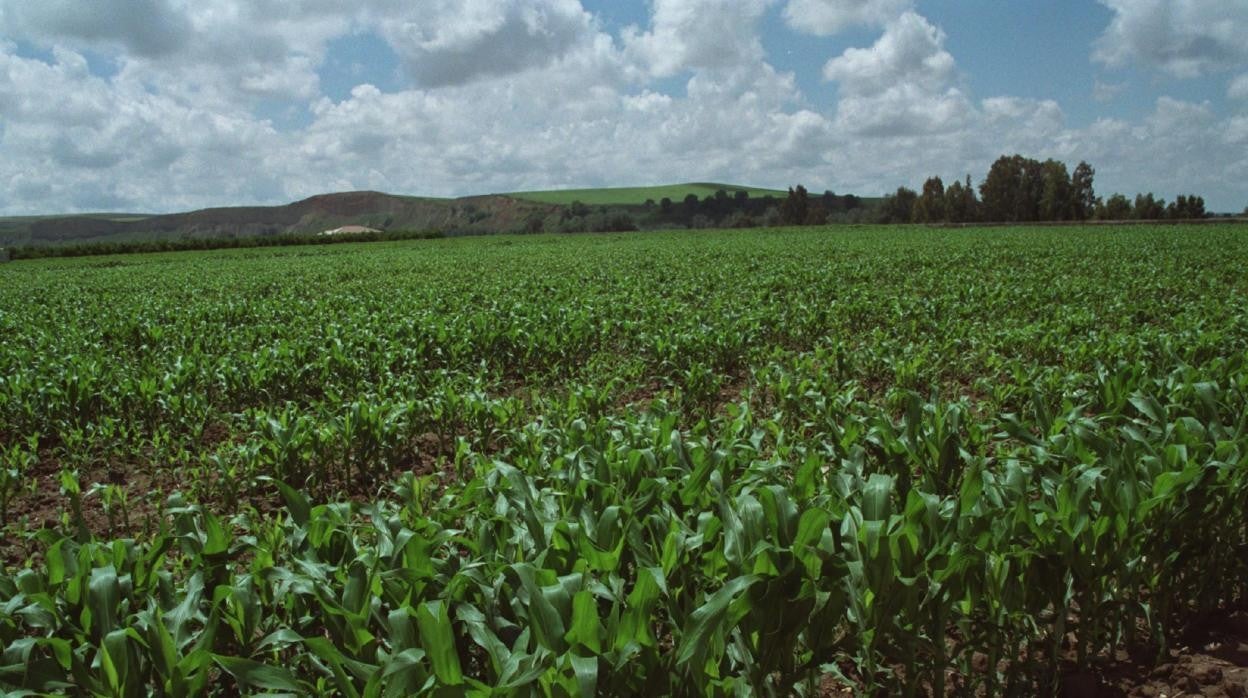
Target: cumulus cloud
point(910, 51)
point(142, 27)
point(218, 51)
point(699, 34)
point(272, 49)
point(1238, 88)
point(98, 141)
point(499, 135)
point(827, 17)
point(1107, 91)
point(901, 84)
point(1179, 148)
point(522, 94)
point(450, 42)
point(1183, 38)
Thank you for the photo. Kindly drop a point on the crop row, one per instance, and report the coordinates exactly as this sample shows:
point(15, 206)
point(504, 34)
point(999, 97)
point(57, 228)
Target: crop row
point(706, 464)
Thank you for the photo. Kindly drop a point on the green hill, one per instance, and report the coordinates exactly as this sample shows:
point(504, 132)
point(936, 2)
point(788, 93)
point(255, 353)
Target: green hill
point(623, 196)
point(477, 214)
point(529, 211)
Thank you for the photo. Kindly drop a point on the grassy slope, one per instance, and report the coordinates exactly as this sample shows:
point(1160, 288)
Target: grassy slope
point(15, 230)
point(637, 195)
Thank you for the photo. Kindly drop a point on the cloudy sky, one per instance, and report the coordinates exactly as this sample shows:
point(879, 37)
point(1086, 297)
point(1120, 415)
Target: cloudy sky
point(160, 105)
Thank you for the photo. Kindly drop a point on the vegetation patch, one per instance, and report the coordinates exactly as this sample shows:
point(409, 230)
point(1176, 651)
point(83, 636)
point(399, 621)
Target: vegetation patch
point(636, 196)
point(797, 460)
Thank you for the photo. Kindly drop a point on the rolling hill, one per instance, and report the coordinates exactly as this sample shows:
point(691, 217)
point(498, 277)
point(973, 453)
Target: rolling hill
point(309, 216)
point(510, 212)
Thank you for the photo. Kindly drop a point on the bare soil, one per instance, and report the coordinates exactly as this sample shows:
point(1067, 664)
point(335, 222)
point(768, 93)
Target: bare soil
point(146, 487)
point(1210, 659)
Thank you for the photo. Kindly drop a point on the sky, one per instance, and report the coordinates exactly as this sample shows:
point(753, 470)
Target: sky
point(166, 105)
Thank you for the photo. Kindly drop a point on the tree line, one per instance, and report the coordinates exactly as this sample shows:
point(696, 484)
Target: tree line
point(723, 209)
point(1023, 190)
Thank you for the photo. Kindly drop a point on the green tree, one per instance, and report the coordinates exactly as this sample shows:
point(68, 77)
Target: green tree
point(816, 213)
point(1082, 196)
point(930, 208)
point(691, 204)
point(1056, 193)
point(533, 223)
point(960, 202)
point(997, 189)
point(1148, 208)
point(1031, 192)
point(1117, 208)
point(1198, 207)
point(899, 206)
point(1014, 189)
point(1186, 207)
point(795, 207)
point(1011, 191)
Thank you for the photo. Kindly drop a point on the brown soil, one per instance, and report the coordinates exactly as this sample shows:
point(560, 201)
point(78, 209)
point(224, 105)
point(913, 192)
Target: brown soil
point(146, 486)
point(42, 506)
point(1209, 659)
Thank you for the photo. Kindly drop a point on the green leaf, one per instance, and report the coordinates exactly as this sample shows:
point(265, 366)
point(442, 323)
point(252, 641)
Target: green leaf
point(586, 669)
point(104, 592)
point(252, 674)
point(635, 624)
point(877, 502)
point(547, 623)
point(296, 503)
point(404, 660)
point(438, 639)
point(585, 624)
point(705, 622)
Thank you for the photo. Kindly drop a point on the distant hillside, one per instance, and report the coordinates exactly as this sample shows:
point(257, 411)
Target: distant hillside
point(15, 230)
point(625, 196)
point(620, 208)
point(309, 216)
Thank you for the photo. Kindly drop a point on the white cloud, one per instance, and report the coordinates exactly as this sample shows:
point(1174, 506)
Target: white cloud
point(142, 27)
point(1238, 89)
point(911, 51)
point(1179, 148)
point(111, 143)
point(1107, 91)
point(449, 42)
point(699, 34)
point(901, 84)
point(827, 17)
point(499, 135)
point(1183, 38)
point(1237, 131)
point(532, 94)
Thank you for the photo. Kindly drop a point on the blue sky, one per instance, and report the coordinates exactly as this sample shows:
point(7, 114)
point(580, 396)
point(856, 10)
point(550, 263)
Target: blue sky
point(163, 105)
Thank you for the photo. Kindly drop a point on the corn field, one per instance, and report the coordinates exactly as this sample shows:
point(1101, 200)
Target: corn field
point(889, 460)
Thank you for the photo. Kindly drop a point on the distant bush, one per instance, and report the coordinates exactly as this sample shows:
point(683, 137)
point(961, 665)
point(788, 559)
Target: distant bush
point(610, 222)
point(215, 243)
point(771, 217)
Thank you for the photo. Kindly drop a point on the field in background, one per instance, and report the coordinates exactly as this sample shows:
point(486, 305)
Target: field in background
point(698, 462)
point(635, 196)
